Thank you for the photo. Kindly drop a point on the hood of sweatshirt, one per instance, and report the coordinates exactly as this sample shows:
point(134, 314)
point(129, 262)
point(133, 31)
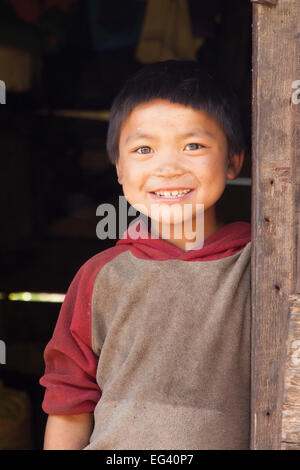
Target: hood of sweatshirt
point(226, 241)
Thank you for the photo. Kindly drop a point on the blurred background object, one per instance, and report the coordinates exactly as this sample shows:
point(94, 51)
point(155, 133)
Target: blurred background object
point(15, 419)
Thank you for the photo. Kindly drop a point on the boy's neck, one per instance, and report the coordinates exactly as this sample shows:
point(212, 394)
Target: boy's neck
point(211, 225)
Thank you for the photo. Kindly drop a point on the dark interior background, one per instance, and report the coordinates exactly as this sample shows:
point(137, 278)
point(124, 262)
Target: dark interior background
point(54, 167)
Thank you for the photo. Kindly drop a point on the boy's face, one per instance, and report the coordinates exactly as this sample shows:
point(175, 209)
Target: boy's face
point(166, 147)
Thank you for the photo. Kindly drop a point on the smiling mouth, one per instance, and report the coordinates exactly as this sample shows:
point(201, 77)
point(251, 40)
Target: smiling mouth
point(171, 194)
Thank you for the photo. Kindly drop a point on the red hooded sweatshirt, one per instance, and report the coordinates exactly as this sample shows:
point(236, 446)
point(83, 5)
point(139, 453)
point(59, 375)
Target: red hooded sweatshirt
point(155, 341)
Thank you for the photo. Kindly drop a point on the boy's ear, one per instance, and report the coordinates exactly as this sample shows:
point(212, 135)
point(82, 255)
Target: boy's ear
point(119, 173)
point(235, 163)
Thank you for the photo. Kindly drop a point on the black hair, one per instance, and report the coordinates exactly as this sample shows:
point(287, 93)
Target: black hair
point(182, 82)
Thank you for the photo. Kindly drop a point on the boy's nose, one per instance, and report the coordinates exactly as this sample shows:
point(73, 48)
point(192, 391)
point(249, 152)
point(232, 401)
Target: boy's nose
point(168, 165)
point(168, 171)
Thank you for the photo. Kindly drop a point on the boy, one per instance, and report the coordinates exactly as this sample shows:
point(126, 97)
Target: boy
point(152, 345)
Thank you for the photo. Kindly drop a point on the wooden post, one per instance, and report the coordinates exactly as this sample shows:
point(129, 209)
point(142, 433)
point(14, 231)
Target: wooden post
point(290, 437)
point(275, 278)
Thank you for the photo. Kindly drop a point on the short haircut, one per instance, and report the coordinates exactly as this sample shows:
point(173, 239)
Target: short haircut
point(182, 82)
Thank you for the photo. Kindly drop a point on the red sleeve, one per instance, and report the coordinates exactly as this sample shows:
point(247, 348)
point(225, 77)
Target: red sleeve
point(70, 363)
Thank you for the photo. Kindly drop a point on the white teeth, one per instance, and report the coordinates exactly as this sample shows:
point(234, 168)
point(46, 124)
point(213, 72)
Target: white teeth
point(172, 193)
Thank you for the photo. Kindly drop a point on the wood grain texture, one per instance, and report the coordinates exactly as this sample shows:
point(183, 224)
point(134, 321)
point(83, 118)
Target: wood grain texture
point(273, 212)
point(290, 438)
point(297, 166)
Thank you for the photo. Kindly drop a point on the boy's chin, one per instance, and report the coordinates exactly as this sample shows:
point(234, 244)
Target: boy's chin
point(175, 225)
point(177, 218)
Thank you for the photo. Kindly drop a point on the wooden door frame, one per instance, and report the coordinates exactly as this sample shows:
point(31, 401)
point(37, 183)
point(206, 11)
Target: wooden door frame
point(275, 261)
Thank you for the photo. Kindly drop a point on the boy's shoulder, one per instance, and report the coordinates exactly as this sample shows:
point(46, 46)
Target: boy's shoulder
point(93, 265)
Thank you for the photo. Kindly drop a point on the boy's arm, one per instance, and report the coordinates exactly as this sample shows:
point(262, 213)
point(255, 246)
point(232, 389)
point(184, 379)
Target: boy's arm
point(72, 391)
point(68, 432)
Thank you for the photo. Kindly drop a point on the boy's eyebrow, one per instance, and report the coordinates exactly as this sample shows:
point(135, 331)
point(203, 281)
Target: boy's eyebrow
point(198, 131)
point(138, 135)
point(193, 132)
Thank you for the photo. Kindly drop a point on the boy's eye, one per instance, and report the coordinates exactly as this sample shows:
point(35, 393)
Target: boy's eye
point(193, 146)
point(143, 150)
